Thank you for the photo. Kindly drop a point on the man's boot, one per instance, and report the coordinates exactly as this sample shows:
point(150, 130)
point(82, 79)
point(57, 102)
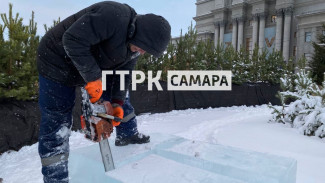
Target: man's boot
point(138, 138)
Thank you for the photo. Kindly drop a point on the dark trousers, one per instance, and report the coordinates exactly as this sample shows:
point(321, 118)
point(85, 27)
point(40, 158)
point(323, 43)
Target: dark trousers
point(56, 102)
point(130, 127)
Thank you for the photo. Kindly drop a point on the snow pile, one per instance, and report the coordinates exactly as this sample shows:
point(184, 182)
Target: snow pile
point(307, 112)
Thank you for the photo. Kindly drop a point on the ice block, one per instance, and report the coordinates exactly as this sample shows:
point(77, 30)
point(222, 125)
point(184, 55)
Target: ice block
point(174, 159)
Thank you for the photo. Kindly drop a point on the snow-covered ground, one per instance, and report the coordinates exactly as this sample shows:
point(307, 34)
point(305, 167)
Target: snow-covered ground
point(242, 127)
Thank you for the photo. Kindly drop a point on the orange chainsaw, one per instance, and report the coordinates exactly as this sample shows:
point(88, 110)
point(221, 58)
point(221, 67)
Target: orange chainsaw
point(96, 124)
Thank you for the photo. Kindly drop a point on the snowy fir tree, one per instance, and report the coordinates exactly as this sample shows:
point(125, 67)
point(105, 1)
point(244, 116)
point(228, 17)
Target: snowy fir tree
point(307, 112)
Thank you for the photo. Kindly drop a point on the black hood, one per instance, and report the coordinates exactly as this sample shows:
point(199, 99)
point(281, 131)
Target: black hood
point(152, 34)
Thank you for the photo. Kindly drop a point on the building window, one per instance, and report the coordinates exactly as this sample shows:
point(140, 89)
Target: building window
point(230, 26)
point(295, 35)
point(323, 32)
point(249, 45)
point(307, 37)
point(251, 23)
point(294, 50)
point(273, 18)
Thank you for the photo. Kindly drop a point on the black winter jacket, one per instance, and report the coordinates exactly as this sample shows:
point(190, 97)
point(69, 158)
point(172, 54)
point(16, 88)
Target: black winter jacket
point(76, 50)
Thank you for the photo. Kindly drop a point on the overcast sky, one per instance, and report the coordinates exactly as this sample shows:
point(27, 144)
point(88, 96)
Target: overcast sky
point(179, 13)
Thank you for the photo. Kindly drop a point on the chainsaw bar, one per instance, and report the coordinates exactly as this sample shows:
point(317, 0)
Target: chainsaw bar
point(88, 110)
point(107, 157)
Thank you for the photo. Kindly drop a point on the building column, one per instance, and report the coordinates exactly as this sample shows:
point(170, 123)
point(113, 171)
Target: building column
point(234, 33)
point(261, 33)
point(222, 32)
point(278, 34)
point(286, 33)
point(255, 31)
point(216, 34)
point(240, 33)
point(300, 41)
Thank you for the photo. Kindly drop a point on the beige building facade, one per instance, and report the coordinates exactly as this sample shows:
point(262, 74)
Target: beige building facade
point(289, 26)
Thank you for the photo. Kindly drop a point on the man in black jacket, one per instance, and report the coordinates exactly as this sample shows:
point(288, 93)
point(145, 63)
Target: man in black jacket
point(105, 36)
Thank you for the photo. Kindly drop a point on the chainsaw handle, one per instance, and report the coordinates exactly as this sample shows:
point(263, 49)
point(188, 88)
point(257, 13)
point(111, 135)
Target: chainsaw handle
point(117, 119)
point(107, 116)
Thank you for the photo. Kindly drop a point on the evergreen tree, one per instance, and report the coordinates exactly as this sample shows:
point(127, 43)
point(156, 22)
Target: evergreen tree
point(199, 57)
point(274, 67)
point(219, 52)
point(241, 67)
point(18, 58)
point(168, 61)
point(229, 56)
point(306, 112)
point(185, 50)
point(255, 65)
point(318, 62)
